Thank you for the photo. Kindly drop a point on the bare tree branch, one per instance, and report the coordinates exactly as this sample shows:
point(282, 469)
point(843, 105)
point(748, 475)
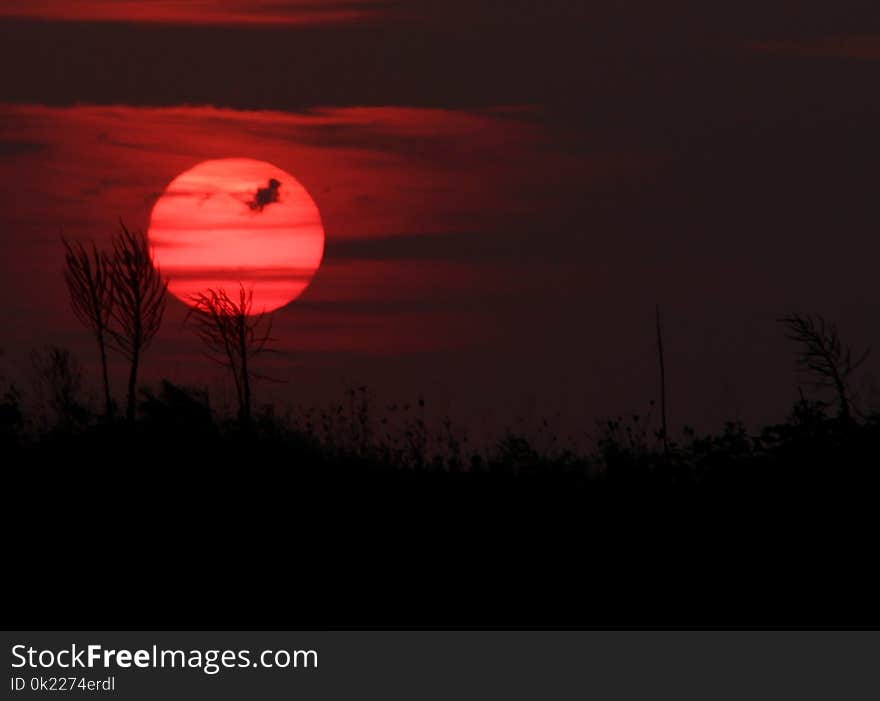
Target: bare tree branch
point(140, 295)
point(58, 383)
point(823, 357)
point(89, 283)
point(233, 336)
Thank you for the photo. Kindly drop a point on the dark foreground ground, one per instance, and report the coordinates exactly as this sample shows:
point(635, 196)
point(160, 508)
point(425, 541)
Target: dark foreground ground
point(180, 529)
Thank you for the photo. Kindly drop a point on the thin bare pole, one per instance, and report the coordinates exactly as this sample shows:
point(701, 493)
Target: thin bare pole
point(664, 428)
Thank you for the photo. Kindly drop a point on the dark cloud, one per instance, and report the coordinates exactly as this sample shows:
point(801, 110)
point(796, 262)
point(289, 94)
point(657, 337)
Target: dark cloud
point(18, 148)
point(365, 136)
point(450, 54)
point(858, 47)
point(658, 78)
point(402, 247)
point(373, 307)
point(469, 247)
point(250, 273)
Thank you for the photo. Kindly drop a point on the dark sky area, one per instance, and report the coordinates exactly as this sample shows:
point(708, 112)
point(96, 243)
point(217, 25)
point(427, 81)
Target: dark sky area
point(507, 188)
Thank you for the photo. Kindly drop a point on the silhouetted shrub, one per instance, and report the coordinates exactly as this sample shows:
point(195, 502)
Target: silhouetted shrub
point(177, 408)
point(58, 385)
point(11, 414)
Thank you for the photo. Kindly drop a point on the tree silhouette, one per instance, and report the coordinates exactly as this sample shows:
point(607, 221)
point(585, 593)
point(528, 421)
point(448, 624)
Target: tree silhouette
point(11, 415)
point(90, 285)
point(233, 335)
point(664, 427)
point(823, 356)
point(139, 302)
point(59, 384)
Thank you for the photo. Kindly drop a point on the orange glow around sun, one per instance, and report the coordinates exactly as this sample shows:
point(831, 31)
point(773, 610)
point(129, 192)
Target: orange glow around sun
point(237, 221)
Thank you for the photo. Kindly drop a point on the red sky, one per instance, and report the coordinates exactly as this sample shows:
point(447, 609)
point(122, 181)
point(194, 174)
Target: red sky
point(195, 11)
point(392, 184)
point(96, 164)
point(506, 195)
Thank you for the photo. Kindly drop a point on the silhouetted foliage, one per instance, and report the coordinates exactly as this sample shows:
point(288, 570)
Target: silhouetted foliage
point(139, 294)
point(59, 384)
point(516, 454)
point(177, 409)
point(824, 357)
point(628, 451)
point(11, 414)
point(89, 283)
point(233, 336)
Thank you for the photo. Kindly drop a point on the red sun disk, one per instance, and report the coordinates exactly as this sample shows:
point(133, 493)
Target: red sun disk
point(237, 221)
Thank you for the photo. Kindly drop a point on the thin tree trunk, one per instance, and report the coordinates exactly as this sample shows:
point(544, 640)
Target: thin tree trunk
point(664, 427)
point(132, 384)
point(239, 397)
point(842, 398)
point(137, 342)
point(245, 380)
point(108, 402)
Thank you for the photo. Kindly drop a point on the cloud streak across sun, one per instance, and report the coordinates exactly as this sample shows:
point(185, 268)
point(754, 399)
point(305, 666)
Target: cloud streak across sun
point(424, 210)
point(236, 221)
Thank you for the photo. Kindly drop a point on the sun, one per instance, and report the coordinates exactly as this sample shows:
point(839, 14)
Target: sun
point(237, 221)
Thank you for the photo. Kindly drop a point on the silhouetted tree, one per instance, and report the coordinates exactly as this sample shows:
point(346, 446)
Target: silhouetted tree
point(90, 286)
point(58, 384)
point(233, 336)
point(139, 294)
point(824, 357)
point(663, 424)
point(11, 415)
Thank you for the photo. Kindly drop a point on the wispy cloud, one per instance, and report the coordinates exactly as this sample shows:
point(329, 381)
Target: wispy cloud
point(373, 171)
point(222, 12)
point(17, 148)
point(423, 209)
point(859, 47)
